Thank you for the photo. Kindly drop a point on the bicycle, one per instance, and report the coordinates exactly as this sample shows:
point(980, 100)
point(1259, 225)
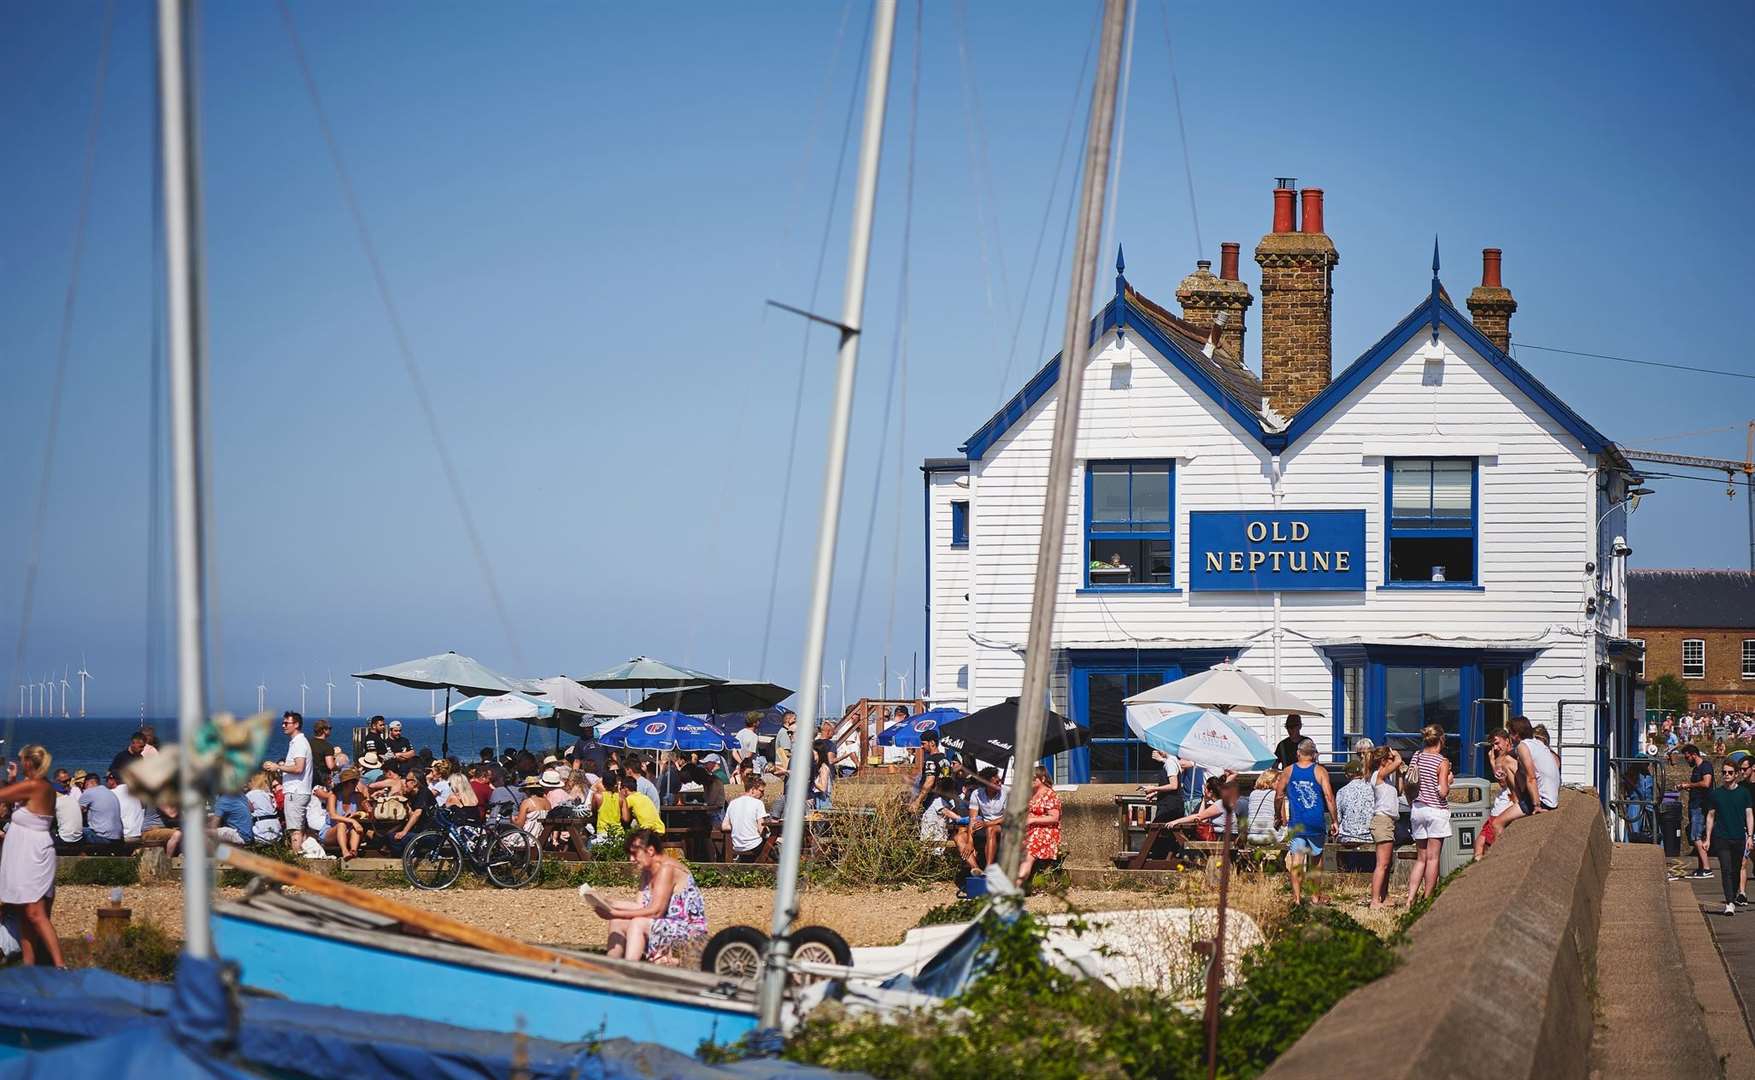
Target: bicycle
point(433, 859)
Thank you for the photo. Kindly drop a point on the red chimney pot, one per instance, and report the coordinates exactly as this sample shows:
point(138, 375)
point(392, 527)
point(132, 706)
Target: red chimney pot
point(1312, 209)
point(1285, 210)
point(1228, 261)
point(1490, 268)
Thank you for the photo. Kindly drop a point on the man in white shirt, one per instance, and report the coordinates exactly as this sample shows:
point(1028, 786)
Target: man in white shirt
point(987, 811)
point(69, 820)
point(133, 813)
point(295, 777)
point(745, 821)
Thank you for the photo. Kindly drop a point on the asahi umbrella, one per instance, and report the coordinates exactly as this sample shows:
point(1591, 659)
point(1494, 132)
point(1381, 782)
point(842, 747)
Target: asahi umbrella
point(665, 731)
point(989, 733)
point(1205, 737)
point(449, 671)
point(907, 733)
point(1225, 686)
point(733, 695)
point(643, 672)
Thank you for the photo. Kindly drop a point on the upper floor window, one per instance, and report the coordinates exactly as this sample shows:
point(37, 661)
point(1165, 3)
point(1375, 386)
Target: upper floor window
point(960, 523)
point(1128, 516)
point(1639, 672)
point(1749, 658)
point(1693, 658)
point(1433, 522)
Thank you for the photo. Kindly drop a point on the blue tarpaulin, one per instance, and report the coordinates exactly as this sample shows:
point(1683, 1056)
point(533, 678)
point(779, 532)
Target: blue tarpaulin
point(124, 1030)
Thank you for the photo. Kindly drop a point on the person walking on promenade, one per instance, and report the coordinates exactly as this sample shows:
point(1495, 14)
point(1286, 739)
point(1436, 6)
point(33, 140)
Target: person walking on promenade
point(1310, 813)
point(1730, 822)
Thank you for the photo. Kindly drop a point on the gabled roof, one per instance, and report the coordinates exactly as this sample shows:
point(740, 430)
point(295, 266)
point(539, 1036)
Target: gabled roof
point(1225, 380)
point(1690, 599)
point(1433, 312)
point(1236, 389)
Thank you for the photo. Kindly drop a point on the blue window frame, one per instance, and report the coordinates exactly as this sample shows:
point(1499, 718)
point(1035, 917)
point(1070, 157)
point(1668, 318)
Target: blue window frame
point(1098, 684)
point(960, 523)
point(1431, 523)
point(1130, 508)
point(1388, 693)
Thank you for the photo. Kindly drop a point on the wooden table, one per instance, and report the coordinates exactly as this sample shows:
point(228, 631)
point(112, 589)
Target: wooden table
point(694, 824)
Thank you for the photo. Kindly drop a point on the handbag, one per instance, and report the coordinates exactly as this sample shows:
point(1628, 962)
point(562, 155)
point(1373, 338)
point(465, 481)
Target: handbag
point(390, 808)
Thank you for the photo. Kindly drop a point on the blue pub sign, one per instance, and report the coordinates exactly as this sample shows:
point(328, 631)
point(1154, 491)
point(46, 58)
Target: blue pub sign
point(1269, 550)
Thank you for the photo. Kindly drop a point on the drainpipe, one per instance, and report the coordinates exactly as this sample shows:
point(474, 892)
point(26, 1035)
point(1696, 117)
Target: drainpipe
point(1278, 631)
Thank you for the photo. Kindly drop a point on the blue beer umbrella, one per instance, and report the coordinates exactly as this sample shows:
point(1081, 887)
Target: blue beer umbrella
point(665, 731)
point(908, 732)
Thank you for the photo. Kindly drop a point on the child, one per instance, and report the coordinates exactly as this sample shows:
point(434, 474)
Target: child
point(1308, 793)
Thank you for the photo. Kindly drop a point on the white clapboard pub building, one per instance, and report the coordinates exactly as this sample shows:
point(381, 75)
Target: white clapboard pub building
point(1427, 535)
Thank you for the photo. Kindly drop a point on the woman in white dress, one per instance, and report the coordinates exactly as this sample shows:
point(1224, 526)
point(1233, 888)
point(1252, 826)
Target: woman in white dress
point(27, 859)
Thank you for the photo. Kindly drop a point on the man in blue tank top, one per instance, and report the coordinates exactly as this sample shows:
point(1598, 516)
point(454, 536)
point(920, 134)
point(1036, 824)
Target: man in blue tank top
point(1310, 810)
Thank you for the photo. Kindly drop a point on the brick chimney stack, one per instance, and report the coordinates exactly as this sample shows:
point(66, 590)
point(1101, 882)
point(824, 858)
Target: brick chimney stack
point(1490, 304)
point(1204, 298)
point(1297, 300)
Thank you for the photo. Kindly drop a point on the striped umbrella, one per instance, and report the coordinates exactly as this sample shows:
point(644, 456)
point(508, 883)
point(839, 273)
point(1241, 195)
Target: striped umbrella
point(1206, 737)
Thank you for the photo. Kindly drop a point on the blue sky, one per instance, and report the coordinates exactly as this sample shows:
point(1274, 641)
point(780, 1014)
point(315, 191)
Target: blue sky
point(581, 209)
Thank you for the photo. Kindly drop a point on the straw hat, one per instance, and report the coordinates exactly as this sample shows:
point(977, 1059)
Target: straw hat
point(79, 777)
point(371, 760)
point(550, 779)
point(532, 783)
point(347, 776)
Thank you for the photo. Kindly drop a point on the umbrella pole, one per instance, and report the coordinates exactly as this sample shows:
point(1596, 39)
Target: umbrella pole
point(1216, 970)
point(526, 745)
point(496, 736)
point(445, 737)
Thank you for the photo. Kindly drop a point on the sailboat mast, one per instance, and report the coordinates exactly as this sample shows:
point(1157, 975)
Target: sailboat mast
point(773, 983)
point(187, 339)
point(1039, 645)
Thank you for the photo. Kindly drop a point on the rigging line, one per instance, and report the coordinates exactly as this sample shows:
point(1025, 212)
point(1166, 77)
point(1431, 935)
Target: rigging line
point(63, 347)
point(980, 179)
point(1113, 225)
point(902, 334)
point(404, 348)
point(1182, 130)
point(155, 524)
point(1072, 115)
point(1642, 363)
point(1648, 440)
point(800, 172)
point(896, 347)
point(804, 356)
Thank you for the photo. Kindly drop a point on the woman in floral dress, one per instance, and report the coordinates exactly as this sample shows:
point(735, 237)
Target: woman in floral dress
point(670, 914)
point(1042, 826)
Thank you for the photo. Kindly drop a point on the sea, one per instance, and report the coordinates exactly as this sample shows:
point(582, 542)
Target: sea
point(92, 742)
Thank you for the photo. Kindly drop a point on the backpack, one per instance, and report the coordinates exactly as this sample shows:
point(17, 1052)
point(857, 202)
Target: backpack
point(390, 808)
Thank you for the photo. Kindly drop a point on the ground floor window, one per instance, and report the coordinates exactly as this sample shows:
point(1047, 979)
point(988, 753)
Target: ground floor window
point(1388, 694)
point(1098, 684)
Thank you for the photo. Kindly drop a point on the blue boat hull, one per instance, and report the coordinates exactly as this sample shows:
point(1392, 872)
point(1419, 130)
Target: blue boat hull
point(385, 972)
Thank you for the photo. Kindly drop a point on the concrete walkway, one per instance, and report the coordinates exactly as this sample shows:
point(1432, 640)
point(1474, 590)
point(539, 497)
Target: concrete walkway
point(1647, 1021)
point(1719, 956)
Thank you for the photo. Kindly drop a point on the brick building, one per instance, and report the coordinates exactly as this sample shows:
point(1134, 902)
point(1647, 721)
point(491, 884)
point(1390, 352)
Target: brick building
point(1698, 625)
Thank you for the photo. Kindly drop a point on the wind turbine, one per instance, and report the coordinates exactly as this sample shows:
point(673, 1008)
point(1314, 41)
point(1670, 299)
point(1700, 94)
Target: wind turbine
point(64, 686)
point(262, 696)
point(359, 700)
point(302, 689)
point(83, 675)
point(902, 681)
point(329, 706)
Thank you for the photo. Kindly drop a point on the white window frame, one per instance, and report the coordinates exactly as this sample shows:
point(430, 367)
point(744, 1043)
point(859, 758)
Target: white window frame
point(1700, 672)
point(1640, 673)
point(1749, 658)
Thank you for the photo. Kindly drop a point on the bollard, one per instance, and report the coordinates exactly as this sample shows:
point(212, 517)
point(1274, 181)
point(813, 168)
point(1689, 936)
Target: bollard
point(112, 919)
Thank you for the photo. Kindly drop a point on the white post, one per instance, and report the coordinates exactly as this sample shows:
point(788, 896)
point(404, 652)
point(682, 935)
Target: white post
point(186, 326)
point(877, 88)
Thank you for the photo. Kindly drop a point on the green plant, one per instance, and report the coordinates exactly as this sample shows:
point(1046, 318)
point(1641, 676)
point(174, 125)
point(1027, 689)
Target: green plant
point(1667, 693)
point(101, 871)
point(141, 951)
point(956, 911)
point(1321, 956)
point(881, 847)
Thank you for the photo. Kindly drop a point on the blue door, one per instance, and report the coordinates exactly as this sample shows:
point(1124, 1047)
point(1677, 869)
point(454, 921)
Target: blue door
point(1099, 683)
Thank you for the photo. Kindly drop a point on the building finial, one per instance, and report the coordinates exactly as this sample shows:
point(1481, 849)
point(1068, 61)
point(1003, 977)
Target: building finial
point(1120, 262)
point(1437, 289)
point(1434, 256)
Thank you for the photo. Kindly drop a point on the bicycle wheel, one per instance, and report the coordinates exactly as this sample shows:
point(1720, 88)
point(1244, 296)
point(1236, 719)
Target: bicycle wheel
point(513, 859)
point(432, 861)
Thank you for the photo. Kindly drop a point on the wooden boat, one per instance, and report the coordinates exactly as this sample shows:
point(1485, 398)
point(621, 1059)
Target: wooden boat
point(332, 944)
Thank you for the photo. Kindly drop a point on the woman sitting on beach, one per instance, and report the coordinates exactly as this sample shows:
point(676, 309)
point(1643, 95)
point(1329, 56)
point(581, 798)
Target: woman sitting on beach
point(670, 912)
point(347, 818)
point(461, 800)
